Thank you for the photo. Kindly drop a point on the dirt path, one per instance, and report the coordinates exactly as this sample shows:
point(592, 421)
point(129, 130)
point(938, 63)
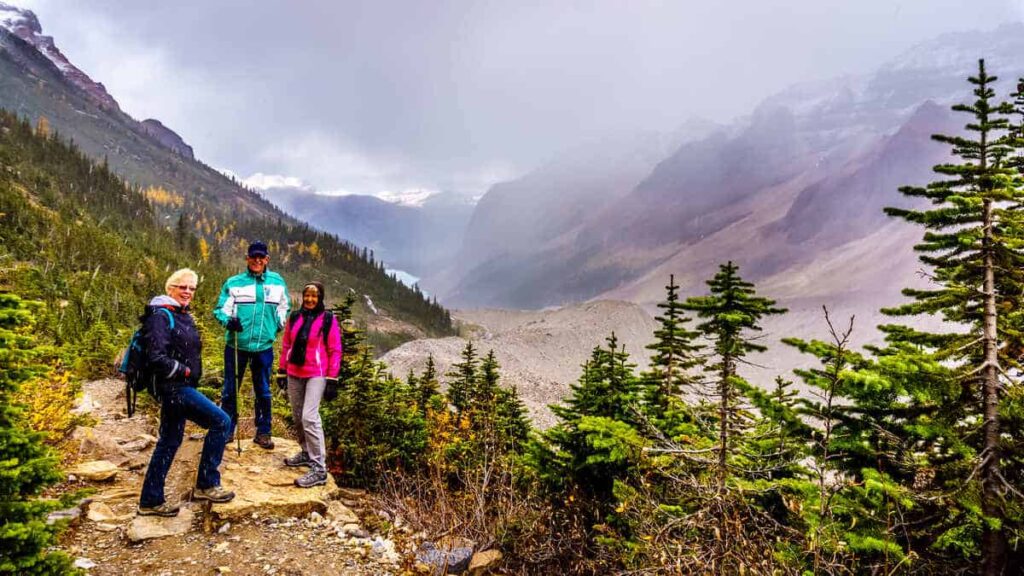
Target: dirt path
point(271, 534)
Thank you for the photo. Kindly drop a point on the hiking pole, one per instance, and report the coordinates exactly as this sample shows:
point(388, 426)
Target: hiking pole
point(238, 401)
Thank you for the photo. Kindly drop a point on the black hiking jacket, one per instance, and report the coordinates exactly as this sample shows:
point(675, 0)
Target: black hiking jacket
point(174, 355)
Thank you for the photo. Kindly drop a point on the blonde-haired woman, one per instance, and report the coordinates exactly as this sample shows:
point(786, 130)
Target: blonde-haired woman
point(174, 355)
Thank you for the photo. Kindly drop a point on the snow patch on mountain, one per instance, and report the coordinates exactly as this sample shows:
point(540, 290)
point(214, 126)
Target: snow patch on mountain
point(412, 197)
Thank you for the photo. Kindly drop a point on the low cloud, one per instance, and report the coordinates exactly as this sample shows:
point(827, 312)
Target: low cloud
point(455, 96)
point(261, 181)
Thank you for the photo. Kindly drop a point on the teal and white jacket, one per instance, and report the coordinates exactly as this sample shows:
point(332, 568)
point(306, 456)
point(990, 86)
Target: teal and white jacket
point(260, 301)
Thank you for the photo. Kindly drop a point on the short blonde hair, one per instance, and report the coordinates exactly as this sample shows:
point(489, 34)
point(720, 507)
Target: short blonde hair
point(180, 276)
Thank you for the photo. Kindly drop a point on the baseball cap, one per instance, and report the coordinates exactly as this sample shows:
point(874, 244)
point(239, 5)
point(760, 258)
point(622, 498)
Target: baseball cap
point(257, 248)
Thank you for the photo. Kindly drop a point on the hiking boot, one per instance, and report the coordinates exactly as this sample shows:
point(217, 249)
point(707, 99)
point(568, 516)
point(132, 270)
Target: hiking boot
point(299, 459)
point(264, 441)
point(213, 494)
point(166, 510)
point(315, 477)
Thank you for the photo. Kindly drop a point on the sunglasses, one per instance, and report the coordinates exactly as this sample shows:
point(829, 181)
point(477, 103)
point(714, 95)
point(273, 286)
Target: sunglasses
point(184, 287)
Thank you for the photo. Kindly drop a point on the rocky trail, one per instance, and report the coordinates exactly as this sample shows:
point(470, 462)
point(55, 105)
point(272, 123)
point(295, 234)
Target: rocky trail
point(271, 527)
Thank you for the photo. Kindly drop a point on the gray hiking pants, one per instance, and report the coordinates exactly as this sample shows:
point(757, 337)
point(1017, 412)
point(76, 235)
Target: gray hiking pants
point(304, 395)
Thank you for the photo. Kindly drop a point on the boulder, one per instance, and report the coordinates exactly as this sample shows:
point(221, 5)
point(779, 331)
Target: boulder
point(385, 551)
point(482, 562)
point(341, 514)
point(100, 512)
point(95, 470)
point(72, 515)
point(96, 445)
point(441, 560)
point(353, 530)
point(139, 443)
point(149, 527)
point(263, 484)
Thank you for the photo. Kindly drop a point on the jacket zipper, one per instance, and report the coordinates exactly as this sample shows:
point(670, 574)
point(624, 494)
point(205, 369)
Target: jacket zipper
point(254, 311)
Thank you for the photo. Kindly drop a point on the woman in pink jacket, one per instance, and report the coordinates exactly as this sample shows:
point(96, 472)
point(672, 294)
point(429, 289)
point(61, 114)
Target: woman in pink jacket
point(310, 361)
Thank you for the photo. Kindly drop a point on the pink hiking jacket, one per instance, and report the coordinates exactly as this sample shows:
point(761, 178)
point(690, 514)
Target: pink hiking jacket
point(322, 360)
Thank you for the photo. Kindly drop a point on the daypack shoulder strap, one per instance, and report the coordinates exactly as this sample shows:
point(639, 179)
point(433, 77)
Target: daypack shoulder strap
point(327, 322)
point(170, 317)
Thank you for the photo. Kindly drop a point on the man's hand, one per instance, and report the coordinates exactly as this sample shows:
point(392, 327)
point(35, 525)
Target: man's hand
point(234, 325)
point(282, 379)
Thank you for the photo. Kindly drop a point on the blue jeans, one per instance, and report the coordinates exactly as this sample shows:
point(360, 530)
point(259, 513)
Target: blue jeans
point(262, 362)
point(176, 406)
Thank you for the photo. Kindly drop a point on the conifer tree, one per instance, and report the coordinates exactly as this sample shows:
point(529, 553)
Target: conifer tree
point(777, 441)
point(675, 352)
point(462, 387)
point(731, 316)
point(596, 442)
point(513, 422)
point(485, 392)
point(26, 465)
point(426, 385)
point(498, 412)
point(972, 242)
point(853, 504)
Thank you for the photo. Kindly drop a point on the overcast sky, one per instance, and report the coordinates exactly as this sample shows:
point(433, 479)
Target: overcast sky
point(381, 96)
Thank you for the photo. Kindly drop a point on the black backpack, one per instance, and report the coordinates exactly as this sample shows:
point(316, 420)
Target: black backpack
point(134, 366)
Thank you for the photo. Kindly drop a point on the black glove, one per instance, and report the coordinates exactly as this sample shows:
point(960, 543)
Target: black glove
point(282, 380)
point(331, 389)
point(234, 325)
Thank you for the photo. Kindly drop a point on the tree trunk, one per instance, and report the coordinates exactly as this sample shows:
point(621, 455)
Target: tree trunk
point(993, 540)
point(723, 426)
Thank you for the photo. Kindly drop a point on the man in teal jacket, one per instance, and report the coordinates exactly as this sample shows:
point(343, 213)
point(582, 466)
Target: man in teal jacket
point(253, 308)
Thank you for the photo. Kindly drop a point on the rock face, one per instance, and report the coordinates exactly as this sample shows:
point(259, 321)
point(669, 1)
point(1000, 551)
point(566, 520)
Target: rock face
point(149, 527)
point(831, 154)
point(166, 137)
point(263, 484)
point(25, 25)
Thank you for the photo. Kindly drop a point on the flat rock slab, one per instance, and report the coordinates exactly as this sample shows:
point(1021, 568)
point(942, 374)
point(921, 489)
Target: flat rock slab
point(149, 527)
point(96, 470)
point(263, 484)
point(101, 512)
point(117, 494)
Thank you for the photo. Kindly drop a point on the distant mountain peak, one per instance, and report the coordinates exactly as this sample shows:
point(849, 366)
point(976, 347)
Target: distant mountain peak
point(167, 137)
point(957, 53)
point(25, 25)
